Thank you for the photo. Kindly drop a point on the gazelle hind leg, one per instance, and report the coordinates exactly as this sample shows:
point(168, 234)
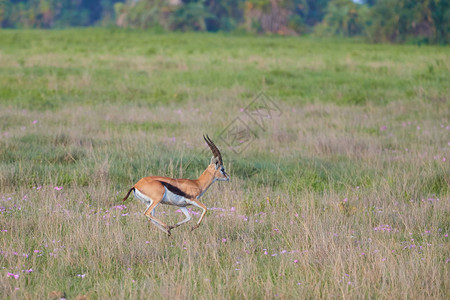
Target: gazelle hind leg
point(152, 193)
point(150, 212)
point(188, 218)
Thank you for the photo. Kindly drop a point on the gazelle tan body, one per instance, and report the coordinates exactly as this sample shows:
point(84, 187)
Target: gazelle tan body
point(154, 190)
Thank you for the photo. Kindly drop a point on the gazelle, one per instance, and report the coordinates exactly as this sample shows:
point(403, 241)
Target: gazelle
point(154, 190)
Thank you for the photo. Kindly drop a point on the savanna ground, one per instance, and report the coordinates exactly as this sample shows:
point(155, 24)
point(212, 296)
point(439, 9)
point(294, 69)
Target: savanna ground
point(344, 194)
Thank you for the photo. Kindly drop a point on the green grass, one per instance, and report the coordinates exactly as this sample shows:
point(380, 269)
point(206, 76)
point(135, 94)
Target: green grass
point(100, 66)
point(362, 142)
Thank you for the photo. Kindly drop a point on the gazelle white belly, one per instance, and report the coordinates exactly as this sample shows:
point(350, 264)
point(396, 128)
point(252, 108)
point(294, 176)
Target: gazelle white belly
point(174, 199)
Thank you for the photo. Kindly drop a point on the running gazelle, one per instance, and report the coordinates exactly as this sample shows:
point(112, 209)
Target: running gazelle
point(154, 190)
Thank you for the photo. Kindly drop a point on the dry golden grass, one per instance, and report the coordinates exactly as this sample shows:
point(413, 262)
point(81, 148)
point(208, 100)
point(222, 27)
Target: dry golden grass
point(285, 241)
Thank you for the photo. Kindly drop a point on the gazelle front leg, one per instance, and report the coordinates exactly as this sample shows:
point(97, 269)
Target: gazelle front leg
point(188, 218)
point(202, 206)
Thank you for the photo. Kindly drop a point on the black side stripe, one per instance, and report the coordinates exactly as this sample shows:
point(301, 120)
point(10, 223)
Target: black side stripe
point(176, 190)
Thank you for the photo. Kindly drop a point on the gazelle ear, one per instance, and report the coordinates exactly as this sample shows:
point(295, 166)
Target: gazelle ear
point(215, 160)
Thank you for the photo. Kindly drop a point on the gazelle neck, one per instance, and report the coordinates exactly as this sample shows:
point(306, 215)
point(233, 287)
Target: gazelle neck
point(205, 180)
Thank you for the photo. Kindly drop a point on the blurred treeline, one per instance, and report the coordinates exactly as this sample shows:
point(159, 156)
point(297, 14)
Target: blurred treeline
point(422, 21)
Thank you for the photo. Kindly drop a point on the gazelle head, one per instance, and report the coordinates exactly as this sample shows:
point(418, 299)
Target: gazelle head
point(216, 165)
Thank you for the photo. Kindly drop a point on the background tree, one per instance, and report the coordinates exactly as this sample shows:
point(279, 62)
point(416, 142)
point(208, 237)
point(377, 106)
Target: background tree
point(343, 18)
point(398, 21)
point(191, 15)
point(227, 14)
point(143, 14)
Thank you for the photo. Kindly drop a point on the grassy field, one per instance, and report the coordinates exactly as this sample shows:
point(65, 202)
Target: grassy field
point(342, 193)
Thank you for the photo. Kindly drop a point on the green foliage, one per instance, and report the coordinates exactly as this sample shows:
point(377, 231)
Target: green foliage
point(224, 15)
point(191, 16)
point(343, 18)
point(397, 21)
point(307, 13)
point(142, 14)
point(380, 21)
point(54, 13)
point(389, 21)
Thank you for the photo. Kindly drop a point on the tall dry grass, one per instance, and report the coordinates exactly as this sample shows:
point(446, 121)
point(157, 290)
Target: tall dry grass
point(310, 232)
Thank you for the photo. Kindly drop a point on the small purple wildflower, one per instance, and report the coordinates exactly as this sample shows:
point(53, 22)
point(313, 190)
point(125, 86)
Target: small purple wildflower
point(16, 276)
point(119, 207)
